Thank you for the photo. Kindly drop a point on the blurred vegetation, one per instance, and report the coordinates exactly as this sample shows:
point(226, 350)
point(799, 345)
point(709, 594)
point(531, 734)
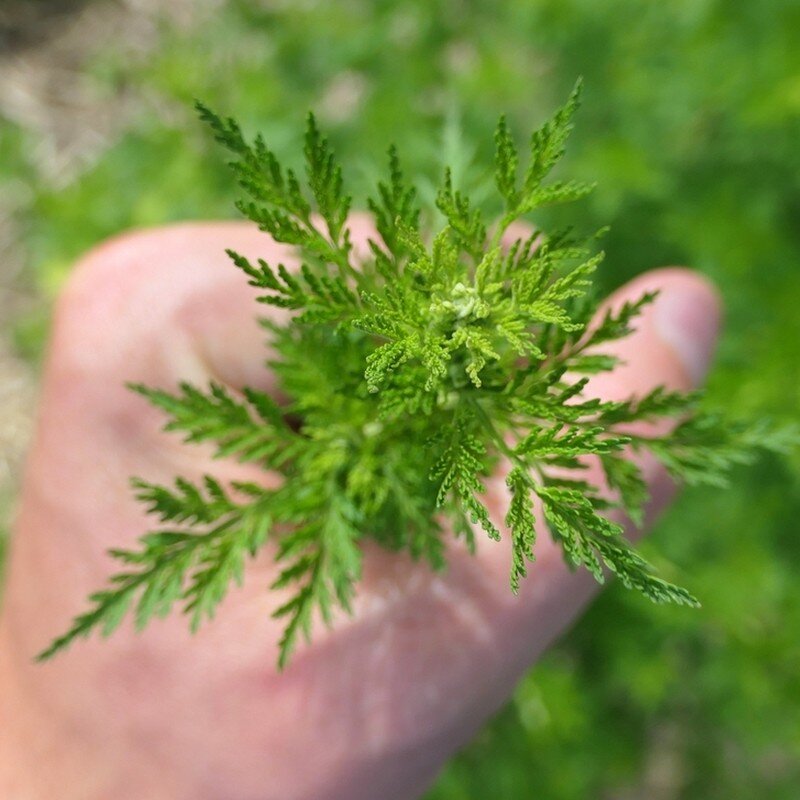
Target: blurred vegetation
point(691, 124)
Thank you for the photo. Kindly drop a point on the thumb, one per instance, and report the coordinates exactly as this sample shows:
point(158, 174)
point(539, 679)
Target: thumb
point(675, 336)
point(672, 346)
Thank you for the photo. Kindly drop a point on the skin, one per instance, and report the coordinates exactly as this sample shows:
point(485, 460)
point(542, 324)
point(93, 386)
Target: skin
point(370, 709)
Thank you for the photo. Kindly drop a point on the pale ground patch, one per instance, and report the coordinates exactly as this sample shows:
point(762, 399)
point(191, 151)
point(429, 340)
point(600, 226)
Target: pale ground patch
point(69, 121)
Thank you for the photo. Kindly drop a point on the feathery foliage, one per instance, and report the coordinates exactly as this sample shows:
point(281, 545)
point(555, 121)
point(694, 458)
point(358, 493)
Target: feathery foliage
point(411, 373)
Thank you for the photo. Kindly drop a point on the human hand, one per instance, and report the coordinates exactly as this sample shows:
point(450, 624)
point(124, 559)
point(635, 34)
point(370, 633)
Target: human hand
point(372, 708)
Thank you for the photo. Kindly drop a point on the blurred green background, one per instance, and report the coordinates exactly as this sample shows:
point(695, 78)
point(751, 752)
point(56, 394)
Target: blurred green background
point(691, 126)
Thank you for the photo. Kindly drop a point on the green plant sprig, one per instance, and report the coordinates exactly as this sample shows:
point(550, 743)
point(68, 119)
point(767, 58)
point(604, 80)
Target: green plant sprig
point(409, 374)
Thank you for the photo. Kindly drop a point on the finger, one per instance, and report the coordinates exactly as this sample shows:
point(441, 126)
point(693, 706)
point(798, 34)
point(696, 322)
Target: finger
point(675, 336)
point(673, 344)
point(169, 300)
point(136, 306)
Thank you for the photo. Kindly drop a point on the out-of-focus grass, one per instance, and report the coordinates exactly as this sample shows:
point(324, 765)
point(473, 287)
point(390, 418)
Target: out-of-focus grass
point(690, 125)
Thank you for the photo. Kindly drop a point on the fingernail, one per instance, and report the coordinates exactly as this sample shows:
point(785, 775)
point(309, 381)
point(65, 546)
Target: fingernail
point(687, 320)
